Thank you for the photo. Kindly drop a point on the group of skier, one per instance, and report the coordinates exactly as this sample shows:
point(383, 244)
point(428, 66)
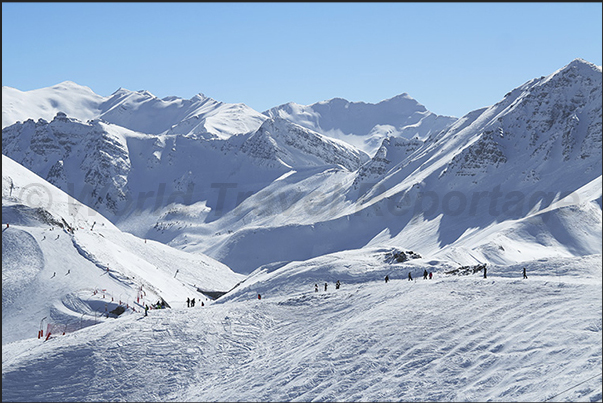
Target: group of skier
point(429, 275)
point(191, 302)
point(426, 275)
point(337, 285)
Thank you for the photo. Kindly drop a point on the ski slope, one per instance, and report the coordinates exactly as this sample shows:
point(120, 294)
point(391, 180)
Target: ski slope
point(452, 338)
point(65, 262)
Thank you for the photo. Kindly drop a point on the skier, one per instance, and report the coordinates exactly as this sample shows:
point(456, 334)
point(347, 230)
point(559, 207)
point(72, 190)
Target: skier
point(325, 286)
point(484, 271)
point(524, 273)
point(146, 308)
point(409, 277)
point(259, 296)
point(425, 274)
point(386, 279)
point(337, 284)
point(315, 287)
point(430, 275)
point(192, 302)
point(188, 302)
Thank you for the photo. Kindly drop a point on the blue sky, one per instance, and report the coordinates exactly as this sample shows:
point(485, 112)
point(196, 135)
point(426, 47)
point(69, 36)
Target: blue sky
point(451, 57)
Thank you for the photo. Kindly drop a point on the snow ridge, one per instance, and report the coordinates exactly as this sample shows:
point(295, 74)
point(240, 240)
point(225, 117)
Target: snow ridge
point(365, 125)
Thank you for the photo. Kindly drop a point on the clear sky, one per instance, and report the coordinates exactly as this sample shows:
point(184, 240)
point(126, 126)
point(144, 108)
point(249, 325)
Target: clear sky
point(451, 57)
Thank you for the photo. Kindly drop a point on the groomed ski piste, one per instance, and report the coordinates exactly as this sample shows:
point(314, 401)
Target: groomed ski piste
point(451, 338)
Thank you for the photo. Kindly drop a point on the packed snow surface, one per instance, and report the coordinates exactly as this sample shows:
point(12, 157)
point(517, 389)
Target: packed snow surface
point(451, 338)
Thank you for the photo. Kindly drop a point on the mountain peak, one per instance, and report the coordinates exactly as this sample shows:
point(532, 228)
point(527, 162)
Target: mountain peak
point(336, 101)
point(121, 90)
point(68, 85)
point(404, 95)
point(579, 61)
point(579, 66)
point(146, 93)
point(199, 97)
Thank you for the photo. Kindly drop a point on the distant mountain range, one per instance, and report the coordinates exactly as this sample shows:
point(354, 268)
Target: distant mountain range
point(365, 125)
point(296, 182)
point(135, 110)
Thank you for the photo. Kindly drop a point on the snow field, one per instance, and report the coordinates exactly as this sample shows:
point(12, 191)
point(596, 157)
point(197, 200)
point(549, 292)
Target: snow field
point(453, 338)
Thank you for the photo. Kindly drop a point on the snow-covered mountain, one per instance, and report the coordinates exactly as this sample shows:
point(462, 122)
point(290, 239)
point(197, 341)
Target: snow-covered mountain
point(516, 185)
point(363, 124)
point(296, 147)
point(67, 263)
point(358, 123)
point(200, 116)
point(68, 97)
point(135, 110)
point(307, 194)
point(131, 176)
point(502, 164)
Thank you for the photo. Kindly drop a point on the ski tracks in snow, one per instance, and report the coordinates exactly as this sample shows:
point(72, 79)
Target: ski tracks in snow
point(451, 339)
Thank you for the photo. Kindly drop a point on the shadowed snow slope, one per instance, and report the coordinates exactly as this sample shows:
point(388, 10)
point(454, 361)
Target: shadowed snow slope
point(136, 178)
point(57, 252)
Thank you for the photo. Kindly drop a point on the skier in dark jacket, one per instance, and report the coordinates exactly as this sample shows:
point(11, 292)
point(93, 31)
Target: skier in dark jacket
point(409, 277)
point(188, 302)
point(325, 286)
point(386, 279)
point(315, 287)
point(425, 274)
point(524, 273)
point(484, 271)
